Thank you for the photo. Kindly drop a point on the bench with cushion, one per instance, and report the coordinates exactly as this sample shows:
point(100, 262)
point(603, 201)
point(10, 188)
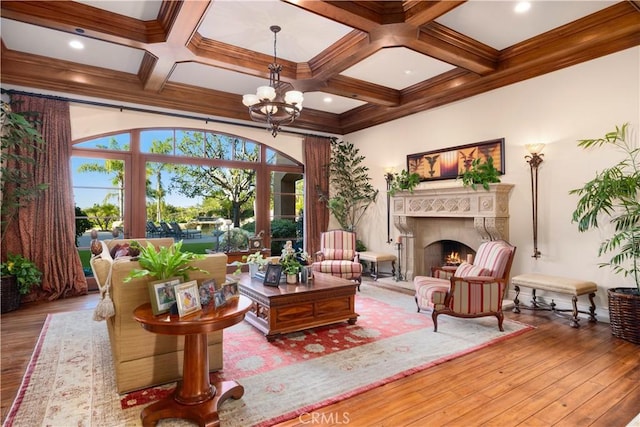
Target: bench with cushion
point(560, 285)
point(375, 258)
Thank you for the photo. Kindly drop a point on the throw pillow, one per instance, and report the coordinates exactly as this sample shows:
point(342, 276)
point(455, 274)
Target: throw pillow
point(120, 250)
point(467, 270)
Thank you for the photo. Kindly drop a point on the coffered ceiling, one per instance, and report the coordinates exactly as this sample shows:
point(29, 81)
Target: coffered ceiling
point(359, 63)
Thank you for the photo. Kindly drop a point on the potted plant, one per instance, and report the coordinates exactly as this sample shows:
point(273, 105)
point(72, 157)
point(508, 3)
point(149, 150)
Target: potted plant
point(352, 191)
point(614, 194)
point(255, 262)
point(483, 173)
point(290, 263)
point(20, 139)
point(165, 263)
point(19, 275)
point(402, 181)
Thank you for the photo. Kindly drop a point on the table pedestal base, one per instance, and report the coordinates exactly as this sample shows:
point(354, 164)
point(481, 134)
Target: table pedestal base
point(204, 413)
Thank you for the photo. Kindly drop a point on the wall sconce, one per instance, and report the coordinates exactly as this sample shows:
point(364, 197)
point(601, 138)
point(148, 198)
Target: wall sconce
point(534, 158)
point(388, 176)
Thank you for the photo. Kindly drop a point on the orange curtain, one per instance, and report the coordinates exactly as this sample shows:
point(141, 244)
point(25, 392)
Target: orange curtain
point(317, 154)
point(44, 231)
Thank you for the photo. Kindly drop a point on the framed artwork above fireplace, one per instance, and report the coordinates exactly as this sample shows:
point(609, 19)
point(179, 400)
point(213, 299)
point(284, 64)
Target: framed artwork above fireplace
point(450, 163)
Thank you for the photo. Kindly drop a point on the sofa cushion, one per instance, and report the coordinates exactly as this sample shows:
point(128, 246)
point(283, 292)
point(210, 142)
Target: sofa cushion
point(494, 256)
point(467, 270)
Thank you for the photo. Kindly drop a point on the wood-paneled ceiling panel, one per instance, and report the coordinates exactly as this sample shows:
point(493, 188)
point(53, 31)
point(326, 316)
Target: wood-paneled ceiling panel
point(362, 63)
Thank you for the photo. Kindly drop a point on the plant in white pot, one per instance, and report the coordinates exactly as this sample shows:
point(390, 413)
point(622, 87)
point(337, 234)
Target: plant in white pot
point(614, 195)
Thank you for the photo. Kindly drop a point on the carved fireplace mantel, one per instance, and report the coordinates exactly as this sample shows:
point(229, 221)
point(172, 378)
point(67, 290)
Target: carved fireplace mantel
point(481, 215)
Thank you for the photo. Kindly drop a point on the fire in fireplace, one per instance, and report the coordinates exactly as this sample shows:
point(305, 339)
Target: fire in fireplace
point(447, 252)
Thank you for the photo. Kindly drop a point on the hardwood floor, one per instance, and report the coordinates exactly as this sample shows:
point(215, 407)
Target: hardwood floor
point(553, 375)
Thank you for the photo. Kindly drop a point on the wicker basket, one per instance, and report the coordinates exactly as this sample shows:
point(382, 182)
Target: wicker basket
point(9, 296)
point(624, 313)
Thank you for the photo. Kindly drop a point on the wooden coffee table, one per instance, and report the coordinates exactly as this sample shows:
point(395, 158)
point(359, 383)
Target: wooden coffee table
point(289, 308)
point(195, 397)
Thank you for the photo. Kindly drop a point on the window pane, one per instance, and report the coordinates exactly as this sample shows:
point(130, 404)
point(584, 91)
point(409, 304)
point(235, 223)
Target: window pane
point(276, 158)
point(286, 203)
point(121, 142)
point(149, 141)
point(190, 143)
point(98, 188)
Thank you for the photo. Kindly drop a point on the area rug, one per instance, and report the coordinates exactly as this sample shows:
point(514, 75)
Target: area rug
point(69, 380)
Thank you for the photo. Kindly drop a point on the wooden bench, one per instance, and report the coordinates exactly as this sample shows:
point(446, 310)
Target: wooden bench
point(560, 285)
point(375, 258)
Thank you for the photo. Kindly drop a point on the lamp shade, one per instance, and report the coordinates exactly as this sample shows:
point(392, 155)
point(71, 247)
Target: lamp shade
point(250, 99)
point(293, 97)
point(534, 148)
point(266, 92)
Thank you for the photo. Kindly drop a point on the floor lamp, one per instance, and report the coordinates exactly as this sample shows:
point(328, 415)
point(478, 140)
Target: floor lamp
point(534, 158)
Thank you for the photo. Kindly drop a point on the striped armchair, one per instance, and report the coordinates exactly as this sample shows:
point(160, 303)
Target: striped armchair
point(338, 256)
point(469, 290)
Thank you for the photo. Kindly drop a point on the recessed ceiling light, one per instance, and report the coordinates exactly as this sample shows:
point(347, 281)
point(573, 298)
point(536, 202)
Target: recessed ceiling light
point(328, 99)
point(522, 7)
point(76, 44)
point(408, 72)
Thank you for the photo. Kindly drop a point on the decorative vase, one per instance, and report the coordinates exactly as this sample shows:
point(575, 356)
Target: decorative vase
point(292, 279)
point(253, 269)
point(96, 247)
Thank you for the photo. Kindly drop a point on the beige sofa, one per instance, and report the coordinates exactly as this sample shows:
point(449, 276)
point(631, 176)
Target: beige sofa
point(141, 358)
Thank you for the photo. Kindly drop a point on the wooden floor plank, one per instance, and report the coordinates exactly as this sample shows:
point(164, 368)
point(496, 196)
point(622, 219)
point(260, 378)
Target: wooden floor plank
point(528, 380)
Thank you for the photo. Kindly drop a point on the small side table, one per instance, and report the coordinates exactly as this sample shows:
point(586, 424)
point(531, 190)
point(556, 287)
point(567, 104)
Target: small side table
point(194, 398)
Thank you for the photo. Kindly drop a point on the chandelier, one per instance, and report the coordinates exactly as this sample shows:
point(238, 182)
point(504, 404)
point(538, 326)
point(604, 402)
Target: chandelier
point(277, 104)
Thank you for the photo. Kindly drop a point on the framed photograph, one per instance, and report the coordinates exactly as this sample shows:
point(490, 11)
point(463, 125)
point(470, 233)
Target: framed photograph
point(206, 290)
point(218, 298)
point(162, 294)
point(187, 297)
point(450, 163)
point(272, 275)
point(230, 290)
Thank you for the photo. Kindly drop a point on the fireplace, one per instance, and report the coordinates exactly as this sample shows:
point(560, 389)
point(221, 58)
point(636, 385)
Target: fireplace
point(427, 218)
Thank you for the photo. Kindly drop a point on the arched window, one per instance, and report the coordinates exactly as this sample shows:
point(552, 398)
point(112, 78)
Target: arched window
point(226, 187)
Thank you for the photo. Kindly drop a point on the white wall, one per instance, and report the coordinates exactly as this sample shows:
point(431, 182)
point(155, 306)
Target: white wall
point(583, 101)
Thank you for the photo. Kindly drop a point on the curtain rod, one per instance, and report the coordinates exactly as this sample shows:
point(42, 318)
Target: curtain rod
point(145, 110)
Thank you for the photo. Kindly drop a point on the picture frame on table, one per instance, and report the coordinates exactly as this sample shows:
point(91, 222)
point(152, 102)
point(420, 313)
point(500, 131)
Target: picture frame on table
point(230, 290)
point(188, 298)
point(218, 298)
point(272, 275)
point(162, 295)
point(206, 290)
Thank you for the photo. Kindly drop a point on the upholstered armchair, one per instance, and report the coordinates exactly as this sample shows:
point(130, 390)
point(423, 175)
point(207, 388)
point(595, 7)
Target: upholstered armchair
point(469, 290)
point(338, 256)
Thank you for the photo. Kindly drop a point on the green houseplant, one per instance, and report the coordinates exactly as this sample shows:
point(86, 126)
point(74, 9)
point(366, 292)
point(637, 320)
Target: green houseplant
point(614, 194)
point(165, 263)
point(351, 189)
point(19, 275)
point(483, 173)
point(20, 140)
point(403, 181)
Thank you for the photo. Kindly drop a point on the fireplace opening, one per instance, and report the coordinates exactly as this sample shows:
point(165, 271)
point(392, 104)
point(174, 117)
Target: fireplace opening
point(447, 252)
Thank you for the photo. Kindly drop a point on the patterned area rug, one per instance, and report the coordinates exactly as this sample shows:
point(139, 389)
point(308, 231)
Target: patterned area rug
point(70, 381)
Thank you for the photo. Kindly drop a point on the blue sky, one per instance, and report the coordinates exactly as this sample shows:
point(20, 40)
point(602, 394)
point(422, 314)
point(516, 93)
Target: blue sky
point(92, 187)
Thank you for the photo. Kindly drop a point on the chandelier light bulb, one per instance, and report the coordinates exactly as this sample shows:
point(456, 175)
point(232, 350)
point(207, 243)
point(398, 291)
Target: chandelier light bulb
point(293, 97)
point(266, 92)
point(249, 100)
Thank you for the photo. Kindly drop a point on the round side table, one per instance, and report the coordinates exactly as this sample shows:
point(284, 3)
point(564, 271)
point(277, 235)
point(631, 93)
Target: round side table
point(195, 397)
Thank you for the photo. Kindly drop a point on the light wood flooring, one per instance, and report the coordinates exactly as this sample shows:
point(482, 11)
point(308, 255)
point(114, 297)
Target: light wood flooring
point(554, 375)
